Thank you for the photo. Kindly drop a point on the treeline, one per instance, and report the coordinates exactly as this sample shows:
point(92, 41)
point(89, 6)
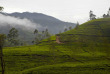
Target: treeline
point(13, 37)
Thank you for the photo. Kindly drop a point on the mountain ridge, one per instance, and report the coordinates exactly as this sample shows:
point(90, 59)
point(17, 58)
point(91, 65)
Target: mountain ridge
point(44, 20)
point(27, 22)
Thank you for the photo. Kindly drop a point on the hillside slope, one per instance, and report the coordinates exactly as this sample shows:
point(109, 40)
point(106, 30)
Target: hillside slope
point(96, 31)
point(77, 57)
point(93, 27)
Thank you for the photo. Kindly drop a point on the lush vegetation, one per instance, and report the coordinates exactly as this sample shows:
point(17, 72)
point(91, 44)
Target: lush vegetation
point(86, 52)
point(51, 59)
point(94, 31)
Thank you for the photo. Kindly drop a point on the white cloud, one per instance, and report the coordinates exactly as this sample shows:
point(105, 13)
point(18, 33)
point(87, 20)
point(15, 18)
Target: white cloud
point(13, 21)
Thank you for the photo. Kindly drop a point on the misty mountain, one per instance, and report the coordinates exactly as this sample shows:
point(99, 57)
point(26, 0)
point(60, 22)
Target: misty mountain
point(27, 22)
point(52, 24)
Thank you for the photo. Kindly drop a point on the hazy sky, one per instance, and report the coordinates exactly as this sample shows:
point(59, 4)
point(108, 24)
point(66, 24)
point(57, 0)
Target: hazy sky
point(66, 10)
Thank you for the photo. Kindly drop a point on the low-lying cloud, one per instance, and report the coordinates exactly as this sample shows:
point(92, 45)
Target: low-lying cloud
point(17, 22)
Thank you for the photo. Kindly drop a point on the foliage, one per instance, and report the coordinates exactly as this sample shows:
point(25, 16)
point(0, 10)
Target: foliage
point(39, 36)
point(13, 37)
point(41, 59)
point(2, 39)
point(70, 27)
point(1, 8)
point(65, 29)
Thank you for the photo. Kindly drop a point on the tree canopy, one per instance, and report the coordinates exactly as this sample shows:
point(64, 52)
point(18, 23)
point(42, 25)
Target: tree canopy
point(1, 8)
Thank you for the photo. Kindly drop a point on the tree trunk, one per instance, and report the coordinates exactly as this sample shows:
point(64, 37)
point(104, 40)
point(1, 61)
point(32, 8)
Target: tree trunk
point(2, 62)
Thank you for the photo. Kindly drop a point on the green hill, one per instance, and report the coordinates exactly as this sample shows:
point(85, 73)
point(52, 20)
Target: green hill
point(97, 31)
point(93, 27)
point(86, 52)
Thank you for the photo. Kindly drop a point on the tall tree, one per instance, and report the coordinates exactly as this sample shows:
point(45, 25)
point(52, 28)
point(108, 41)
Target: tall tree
point(38, 37)
point(1, 46)
point(77, 25)
point(65, 29)
point(47, 33)
point(91, 15)
point(2, 40)
point(36, 31)
point(1, 8)
point(13, 37)
point(70, 27)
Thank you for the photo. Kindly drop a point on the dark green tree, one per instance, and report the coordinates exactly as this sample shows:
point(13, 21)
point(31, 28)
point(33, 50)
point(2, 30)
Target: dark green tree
point(37, 37)
point(92, 16)
point(2, 38)
point(36, 31)
point(77, 25)
point(47, 33)
point(1, 8)
point(2, 41)
point(70, 28)
point(13, 37)
point(65, 29)
point(40, 36)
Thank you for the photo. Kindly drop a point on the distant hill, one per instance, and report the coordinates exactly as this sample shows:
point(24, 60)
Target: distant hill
point(54, 25)
point(94, 31)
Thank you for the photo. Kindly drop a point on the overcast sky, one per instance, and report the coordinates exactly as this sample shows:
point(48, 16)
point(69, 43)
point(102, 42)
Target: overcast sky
point(66, 10)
